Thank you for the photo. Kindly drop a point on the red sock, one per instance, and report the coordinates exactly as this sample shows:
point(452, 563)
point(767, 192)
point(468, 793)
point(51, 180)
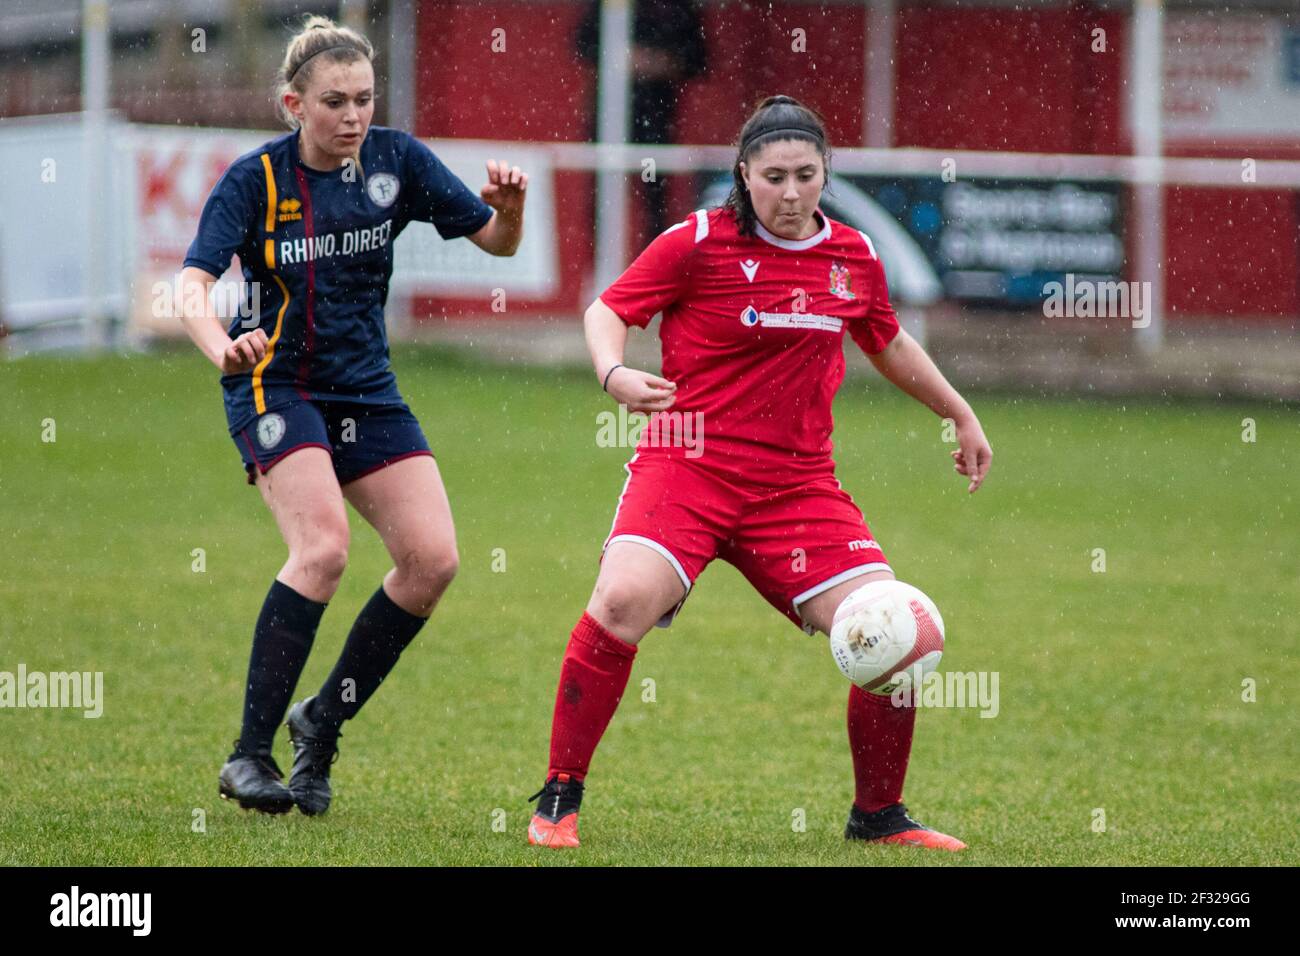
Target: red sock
point(593, 677)
point(880, 737)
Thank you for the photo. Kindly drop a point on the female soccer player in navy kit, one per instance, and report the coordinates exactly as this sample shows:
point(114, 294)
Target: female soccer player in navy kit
point(310, 397)
point(756, 297)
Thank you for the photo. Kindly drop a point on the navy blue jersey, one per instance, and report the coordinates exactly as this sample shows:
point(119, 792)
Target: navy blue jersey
point(318, 247)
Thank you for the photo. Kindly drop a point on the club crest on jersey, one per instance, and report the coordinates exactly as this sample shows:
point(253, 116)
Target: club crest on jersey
point(290, 210)
point(840, 281)
point(270, 430)
point(382, 188)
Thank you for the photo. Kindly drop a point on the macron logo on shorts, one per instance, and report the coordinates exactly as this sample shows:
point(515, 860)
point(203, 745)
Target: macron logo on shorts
point(864, 544)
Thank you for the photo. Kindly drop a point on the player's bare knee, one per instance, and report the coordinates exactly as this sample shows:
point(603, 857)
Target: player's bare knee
point(323, 561)
point(428, 573)
point(443, 567)
point(622, 606)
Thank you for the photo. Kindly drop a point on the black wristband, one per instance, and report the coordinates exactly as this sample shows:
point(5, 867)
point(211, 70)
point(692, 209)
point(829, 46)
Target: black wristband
point(605, 386)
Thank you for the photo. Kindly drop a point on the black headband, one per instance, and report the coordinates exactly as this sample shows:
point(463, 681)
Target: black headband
point(340, 46)
point(781, 129)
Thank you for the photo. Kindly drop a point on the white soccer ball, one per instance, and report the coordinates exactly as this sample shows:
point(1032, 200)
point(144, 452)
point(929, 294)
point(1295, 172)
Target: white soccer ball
point(887, 635)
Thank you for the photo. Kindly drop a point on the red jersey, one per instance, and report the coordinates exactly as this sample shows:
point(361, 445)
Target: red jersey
point(752, 334)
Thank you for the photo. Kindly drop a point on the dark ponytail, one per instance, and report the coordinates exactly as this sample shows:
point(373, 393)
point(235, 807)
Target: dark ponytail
point(776, 118)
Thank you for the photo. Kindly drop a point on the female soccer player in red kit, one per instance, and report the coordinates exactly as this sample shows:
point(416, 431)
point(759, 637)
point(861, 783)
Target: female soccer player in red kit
point(756, 297)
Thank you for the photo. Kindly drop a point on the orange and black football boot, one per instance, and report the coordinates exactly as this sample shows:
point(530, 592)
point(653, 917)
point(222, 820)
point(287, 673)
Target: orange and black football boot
point(893, 825)
point(555, 824)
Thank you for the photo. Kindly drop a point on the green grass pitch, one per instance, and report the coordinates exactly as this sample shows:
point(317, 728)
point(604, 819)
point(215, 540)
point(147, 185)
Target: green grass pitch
point(1120, 691)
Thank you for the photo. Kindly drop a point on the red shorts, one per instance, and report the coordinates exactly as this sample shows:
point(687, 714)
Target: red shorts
point(791, 543)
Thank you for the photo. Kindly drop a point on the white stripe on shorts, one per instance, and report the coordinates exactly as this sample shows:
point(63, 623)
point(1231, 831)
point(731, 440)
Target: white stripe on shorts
point(659, 549)
point(829, 583)
point(619, 507)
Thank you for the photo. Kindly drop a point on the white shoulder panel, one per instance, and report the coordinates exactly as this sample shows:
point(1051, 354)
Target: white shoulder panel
point(870, 247)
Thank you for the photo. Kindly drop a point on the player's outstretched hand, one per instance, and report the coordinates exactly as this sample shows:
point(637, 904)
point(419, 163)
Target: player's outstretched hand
point(505, 187)
point(973, 455)
point(641, 391)
point(244, 352)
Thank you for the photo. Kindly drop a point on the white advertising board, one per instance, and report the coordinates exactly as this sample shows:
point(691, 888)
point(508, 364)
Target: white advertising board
point(1231, 78)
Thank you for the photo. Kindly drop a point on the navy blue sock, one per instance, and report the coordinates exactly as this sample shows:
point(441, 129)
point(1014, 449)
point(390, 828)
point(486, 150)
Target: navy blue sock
point(380, 634)
point(285, 631)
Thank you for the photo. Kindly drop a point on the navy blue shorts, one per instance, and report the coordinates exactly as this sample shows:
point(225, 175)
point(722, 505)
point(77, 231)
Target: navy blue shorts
point(360, 438)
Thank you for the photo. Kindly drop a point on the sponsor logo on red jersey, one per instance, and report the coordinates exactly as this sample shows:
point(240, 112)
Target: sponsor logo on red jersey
point(791, 320)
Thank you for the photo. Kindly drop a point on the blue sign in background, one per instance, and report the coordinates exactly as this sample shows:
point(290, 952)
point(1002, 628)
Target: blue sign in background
point(1291, 58)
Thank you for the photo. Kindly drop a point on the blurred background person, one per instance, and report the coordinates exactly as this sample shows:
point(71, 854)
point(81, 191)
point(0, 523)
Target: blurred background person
point(668, 49)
